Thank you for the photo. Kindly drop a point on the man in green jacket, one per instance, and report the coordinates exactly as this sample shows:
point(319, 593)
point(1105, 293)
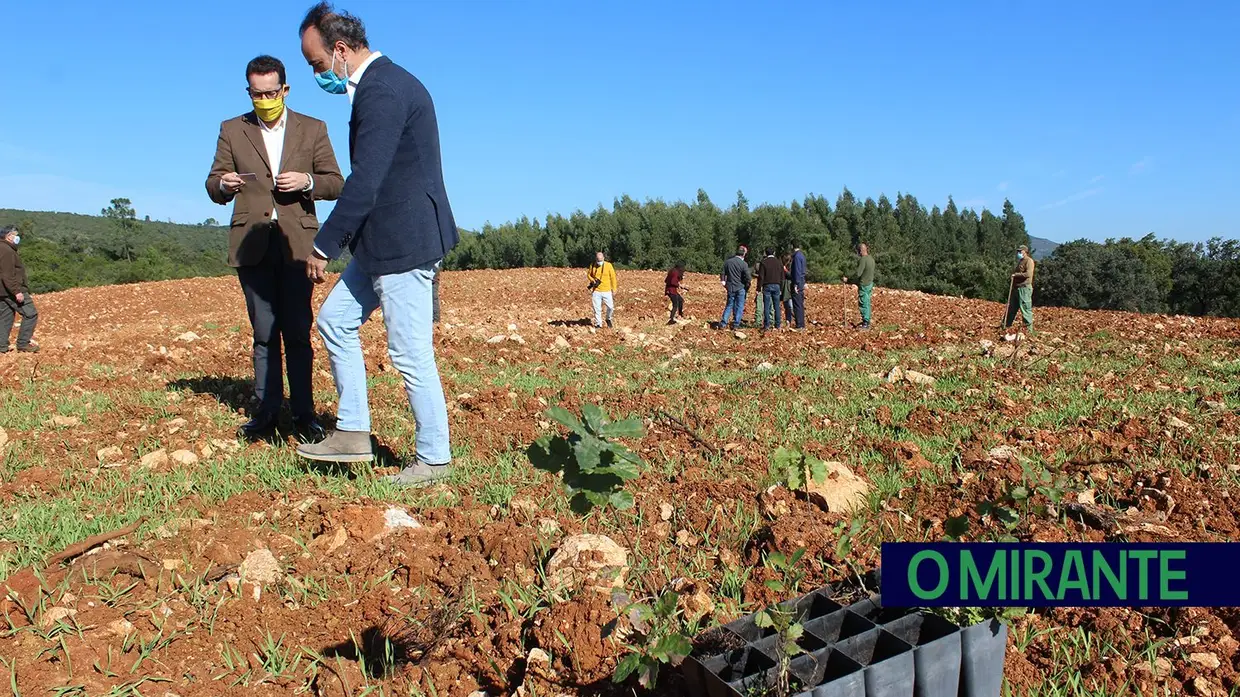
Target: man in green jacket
point(1022, 283)
point(864, 280)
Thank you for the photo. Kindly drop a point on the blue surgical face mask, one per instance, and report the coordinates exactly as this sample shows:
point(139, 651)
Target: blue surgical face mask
point(1020, 255)
point(331, 82)
point(17, 239)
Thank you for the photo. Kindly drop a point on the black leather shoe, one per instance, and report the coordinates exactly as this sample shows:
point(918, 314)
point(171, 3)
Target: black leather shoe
point(257, 427)
point(309, 430)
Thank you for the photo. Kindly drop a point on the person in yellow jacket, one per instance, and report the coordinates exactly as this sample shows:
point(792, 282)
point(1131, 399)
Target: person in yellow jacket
point(602, 281)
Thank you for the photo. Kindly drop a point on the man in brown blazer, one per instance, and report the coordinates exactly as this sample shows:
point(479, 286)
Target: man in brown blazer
point(272, 164)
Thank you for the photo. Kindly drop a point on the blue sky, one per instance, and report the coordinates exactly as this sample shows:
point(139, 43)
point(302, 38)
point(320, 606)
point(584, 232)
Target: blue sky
point(1098, 119)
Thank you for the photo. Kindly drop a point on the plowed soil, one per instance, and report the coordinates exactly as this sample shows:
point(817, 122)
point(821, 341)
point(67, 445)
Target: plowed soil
point(1136, 414)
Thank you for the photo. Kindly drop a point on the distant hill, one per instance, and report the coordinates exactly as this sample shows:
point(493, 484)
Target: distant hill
point(1040, 248)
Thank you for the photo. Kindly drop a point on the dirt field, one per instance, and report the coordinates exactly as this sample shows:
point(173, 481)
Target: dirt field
point(249, 573)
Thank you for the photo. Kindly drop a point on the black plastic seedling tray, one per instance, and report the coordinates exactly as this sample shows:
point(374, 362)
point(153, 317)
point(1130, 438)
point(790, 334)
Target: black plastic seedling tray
point(862, 649)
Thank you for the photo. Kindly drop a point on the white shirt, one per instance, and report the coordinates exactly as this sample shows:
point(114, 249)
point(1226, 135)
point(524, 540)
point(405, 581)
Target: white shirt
point(273, 140)
point(356, 77)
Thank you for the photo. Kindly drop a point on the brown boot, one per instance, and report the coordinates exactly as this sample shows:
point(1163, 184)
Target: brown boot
point(340, 446)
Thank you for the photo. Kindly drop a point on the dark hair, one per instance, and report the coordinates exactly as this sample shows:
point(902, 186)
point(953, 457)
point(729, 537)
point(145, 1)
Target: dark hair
point(796, 244)
point(335, 26)
point(265, 65)
point(770, 251)
point(679, 265)
point(4, 231)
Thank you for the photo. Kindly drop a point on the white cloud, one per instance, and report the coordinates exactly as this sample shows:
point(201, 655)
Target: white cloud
point(1141, 165)
point(1078, 196)
point(1097, 179)
point(1003, 186)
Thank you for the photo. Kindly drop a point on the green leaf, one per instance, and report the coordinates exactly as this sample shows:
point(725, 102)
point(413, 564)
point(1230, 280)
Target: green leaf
point(672, 648)
point(985, 508)
point(777, 586)
point(665, 606)
point(957, 526)
point(795, 632)
point(795, 477)
point(776, 560)
point(621, 468)
point(818, 470)
point(796, 557)
point(581, 503)
point(566, 419)
point(785, 459)
point(625, 667)
point(648, 675)
point(621, 500)
point(588, 450)
point(595, 418)
point(763, 620)
point(1020, 493)
point(624, 453)
point(629, 428)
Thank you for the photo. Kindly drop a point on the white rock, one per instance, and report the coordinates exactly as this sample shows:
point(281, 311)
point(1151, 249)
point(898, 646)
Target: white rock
point(595, 561)
point(395, 518)
point(54, 615)
point(184, 457)
point(841, 491)
point(159, 458)
point(260, 566)
point(111, 453)
point(188, 336)
point(765, 367)
point(561, 342)
point(66, 421)
point(496, 339)
point(918, 378)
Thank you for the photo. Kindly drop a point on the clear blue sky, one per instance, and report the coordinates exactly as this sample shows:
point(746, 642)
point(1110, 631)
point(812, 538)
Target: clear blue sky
point(1096, 118)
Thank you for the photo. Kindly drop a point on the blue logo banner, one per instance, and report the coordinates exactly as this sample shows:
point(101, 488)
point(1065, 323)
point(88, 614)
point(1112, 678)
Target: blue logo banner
point(1064, 574)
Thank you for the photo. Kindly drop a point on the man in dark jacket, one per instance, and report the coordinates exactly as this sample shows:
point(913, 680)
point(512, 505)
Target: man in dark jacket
point(864, 280)
point(16, 298)
point(1022, 283)
point(770, 280)
point(393, 215)
point(735, 280)
point(798, 273)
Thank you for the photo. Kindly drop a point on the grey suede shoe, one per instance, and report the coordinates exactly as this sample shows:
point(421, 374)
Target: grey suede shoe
point(419, 474)
point(340, 446)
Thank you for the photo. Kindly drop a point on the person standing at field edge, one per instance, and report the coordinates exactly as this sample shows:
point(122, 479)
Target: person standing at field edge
point(798, 285)
point(1022, 282)
point(601, 279)
point(16, 294)
point(770, 282)
point(672, 287)
point(735, 280)
point(272, 164)
point(864, 280)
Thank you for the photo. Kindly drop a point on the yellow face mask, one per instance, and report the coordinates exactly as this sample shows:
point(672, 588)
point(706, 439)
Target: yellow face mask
point(269, 110)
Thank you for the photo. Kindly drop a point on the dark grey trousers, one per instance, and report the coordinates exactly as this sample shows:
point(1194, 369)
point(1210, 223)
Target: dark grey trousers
point(277, 297)
point(9, 309)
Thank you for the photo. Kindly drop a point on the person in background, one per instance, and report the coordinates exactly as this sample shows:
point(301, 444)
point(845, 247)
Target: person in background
point(786, 290)
point(864, 280)
point(759, 297)
point(672, 287)
point(1022, 281)
point(601, 278)
point(286, 163)
point(393, 214)
point(798, 272)
point(16, 292)
point(770, 280)
point(735, 280)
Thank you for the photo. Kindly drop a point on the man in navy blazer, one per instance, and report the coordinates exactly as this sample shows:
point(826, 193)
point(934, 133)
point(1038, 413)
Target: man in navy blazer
point(393, 216)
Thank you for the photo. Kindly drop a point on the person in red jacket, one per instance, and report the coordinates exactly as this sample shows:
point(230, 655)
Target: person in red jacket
point(672, 291)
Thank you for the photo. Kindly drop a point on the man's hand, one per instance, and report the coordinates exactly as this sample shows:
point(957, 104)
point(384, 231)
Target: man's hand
point(21, 297)
point(316, 268)
point(231, 183)
point(292, 181)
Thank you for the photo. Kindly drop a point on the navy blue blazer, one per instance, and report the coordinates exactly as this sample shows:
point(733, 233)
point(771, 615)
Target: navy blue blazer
point(393, 212)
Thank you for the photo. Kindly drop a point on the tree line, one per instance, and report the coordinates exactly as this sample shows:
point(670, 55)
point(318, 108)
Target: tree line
point(1146, 275)
point(949, 250)
point(952, 251)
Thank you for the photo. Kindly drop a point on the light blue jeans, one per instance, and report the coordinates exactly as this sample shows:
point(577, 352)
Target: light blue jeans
point(735, 307)
point(405, 299)
point(600, 299)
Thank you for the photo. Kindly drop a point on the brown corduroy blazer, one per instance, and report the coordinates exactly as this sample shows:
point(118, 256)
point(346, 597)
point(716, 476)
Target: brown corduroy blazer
point(306, 149)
